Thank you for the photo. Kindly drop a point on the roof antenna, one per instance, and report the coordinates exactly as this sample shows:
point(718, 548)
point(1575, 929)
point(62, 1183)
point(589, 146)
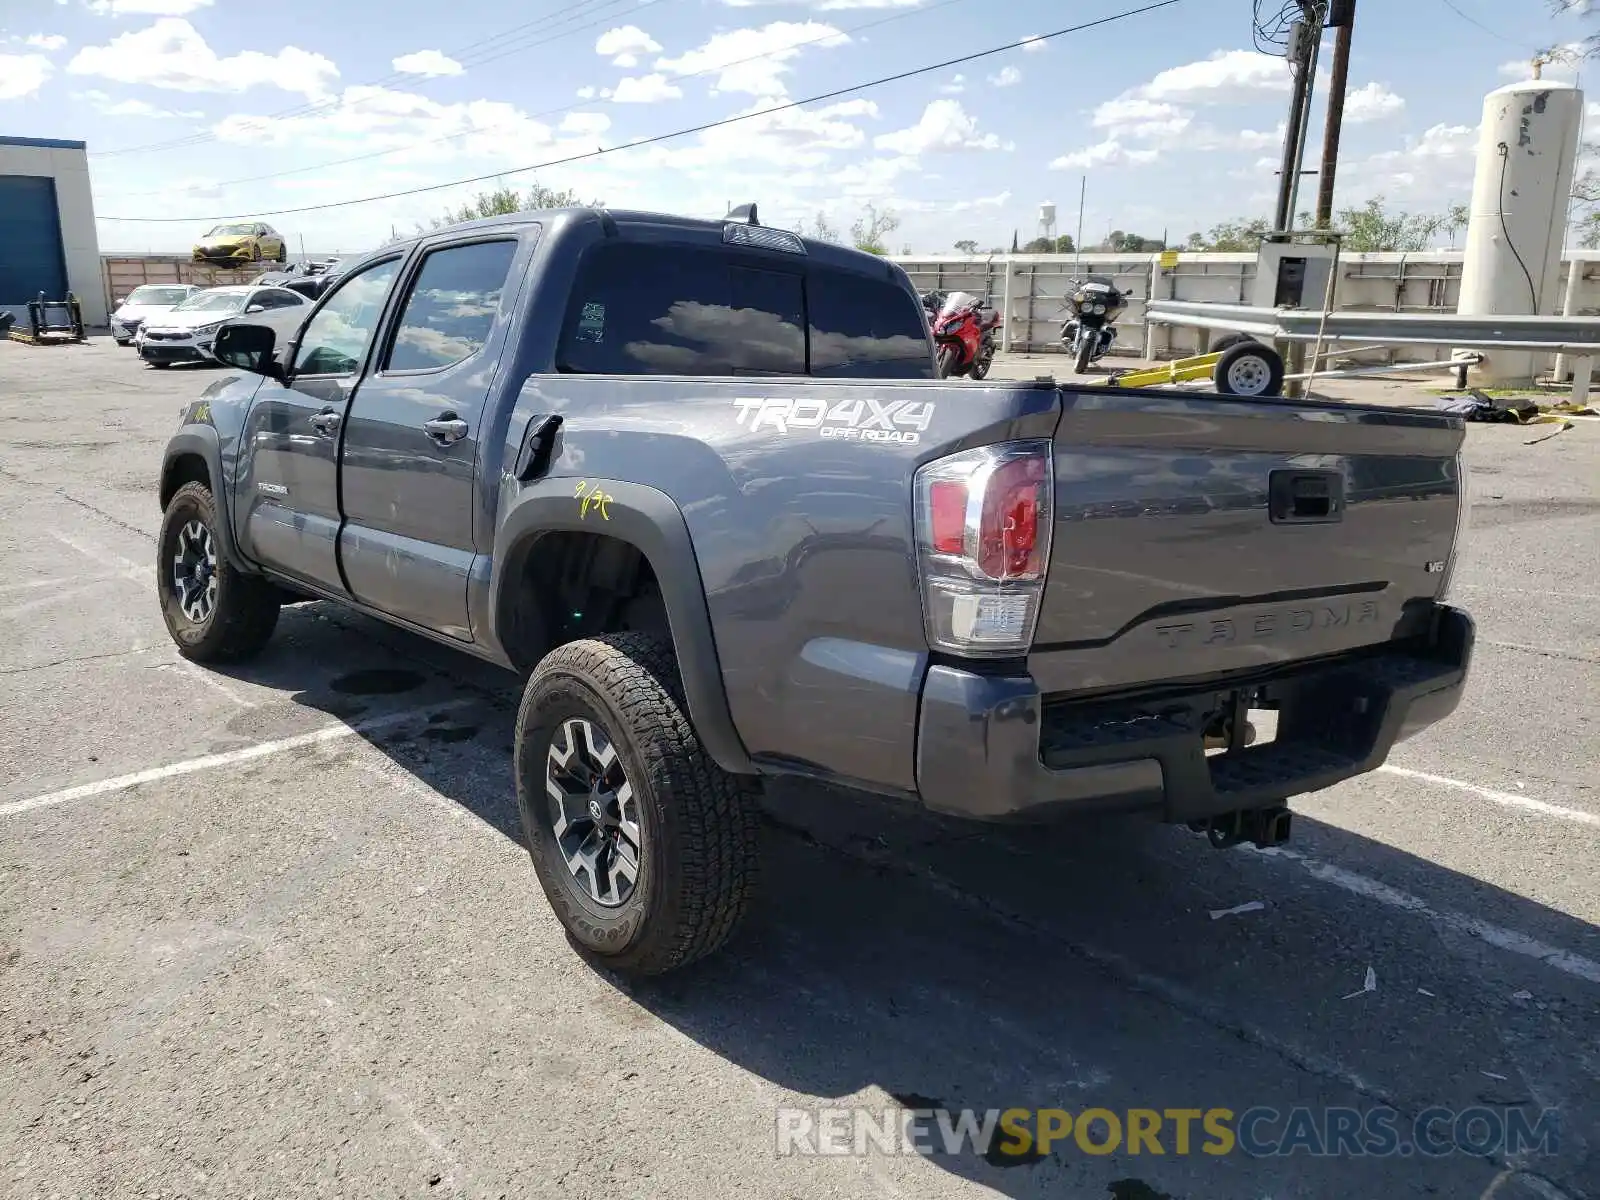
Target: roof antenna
point(745, 213)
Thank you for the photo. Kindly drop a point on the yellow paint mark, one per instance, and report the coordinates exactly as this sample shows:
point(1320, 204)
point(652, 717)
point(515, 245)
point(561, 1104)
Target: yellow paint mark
point(592, 499)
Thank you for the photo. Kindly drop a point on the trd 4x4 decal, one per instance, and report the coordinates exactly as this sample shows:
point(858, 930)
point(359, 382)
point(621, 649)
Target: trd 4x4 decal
point(902, 421)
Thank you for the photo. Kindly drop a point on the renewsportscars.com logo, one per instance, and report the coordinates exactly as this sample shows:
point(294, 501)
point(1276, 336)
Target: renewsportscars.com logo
point(1017, 1134)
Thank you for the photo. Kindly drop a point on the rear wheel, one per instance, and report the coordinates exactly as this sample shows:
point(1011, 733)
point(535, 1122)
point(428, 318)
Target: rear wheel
point(213, 612)
point(1249, 369)
point(980, 369)
point(645, 848)
point(947, 361)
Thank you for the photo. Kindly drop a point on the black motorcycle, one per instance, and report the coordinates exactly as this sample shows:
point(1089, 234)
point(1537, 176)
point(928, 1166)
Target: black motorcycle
point(1090, 330)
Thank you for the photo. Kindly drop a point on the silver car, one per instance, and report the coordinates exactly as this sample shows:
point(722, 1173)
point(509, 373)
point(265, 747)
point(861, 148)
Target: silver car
point(143, 303)
point(186, 333)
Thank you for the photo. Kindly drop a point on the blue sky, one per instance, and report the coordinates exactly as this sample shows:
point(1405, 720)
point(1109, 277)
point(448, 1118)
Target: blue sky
point(1173, 116)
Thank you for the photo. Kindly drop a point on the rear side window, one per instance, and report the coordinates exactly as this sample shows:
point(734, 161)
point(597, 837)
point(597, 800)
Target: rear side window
point(866, 328)
point(672, 310)
point(658, 310)
point(452, 306)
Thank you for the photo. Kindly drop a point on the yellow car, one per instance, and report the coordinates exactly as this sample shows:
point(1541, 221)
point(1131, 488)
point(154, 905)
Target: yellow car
point(244, 241)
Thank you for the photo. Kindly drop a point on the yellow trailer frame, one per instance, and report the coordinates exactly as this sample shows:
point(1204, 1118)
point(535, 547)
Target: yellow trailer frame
point(1179, 370)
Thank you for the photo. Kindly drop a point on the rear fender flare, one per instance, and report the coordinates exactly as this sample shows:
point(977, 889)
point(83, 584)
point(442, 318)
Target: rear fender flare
point(650, 521)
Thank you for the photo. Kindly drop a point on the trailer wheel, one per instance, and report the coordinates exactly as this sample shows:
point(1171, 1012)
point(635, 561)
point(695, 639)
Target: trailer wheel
point(1229, 341)
point(1249, 369)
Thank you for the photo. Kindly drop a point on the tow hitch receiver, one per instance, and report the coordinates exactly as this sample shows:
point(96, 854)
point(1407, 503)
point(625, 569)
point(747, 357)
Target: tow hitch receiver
point(1265, 827)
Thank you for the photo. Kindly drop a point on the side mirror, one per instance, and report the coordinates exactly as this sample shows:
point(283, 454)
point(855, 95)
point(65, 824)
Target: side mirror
point(255, 308)
point(249, 348)
point(120, 301)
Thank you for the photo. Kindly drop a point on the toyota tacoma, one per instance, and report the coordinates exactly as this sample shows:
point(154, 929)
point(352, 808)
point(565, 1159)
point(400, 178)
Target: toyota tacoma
point(697, 483)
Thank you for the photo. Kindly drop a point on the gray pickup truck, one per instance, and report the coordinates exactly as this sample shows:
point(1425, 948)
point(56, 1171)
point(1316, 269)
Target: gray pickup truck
point(696, 481)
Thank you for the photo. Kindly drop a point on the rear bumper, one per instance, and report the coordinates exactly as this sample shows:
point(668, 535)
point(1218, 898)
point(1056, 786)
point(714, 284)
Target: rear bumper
point(995, 748)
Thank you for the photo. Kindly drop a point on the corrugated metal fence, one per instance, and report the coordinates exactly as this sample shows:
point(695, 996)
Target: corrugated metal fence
point(121, 274)
point(1031, 288)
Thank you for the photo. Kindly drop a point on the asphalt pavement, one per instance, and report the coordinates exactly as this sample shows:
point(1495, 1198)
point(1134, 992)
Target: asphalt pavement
point(271, 932)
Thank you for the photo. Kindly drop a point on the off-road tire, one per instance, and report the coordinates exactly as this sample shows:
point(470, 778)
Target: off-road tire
point(245, 612)
point(700, 859)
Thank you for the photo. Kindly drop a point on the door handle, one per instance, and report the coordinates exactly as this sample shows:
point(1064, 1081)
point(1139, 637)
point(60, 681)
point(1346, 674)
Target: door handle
point(446, 429)
point(327, 421)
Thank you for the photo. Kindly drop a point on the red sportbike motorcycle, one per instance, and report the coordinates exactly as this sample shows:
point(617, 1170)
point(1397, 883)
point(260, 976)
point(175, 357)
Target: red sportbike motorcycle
point(964, 331)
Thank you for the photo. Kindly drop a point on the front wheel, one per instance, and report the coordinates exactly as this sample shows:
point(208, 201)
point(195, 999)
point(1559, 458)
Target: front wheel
point(214, 612)
point(1086, 340)
point(947, 361)
point(645, 848)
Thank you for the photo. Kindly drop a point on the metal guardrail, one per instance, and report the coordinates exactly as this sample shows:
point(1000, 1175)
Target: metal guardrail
point(1575, 336)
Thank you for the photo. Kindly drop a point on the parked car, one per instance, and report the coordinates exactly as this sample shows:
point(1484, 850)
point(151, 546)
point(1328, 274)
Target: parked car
point(310, 279)
point(242, 241)
point(696, 481)
point(187, 332)
point(150, 300)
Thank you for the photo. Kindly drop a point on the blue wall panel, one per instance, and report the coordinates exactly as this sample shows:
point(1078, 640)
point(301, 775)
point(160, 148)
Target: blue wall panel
point(31, 258)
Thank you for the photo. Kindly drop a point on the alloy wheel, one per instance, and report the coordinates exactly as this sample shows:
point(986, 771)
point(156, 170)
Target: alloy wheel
point(194, 571)
point(593, 811)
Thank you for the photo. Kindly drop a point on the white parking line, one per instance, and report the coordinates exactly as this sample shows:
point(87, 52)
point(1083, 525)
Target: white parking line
point(1564, 961)
point(30, 584)
point(119, 783)
point(1505, 799)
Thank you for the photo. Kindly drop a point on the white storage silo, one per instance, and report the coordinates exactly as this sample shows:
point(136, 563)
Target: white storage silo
point(1527, 150)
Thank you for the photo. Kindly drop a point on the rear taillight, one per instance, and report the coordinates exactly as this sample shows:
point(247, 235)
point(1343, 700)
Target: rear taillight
point(983, 546)
point(1463, 527)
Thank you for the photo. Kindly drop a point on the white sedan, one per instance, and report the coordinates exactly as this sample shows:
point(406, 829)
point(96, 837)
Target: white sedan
point(150, 301)
point(186, 333)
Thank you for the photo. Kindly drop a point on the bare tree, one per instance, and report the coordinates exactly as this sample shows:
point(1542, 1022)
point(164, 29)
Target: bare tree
point(872, 229)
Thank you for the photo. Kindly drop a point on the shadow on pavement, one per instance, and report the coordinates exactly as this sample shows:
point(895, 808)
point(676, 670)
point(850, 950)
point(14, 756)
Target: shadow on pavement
point(900, 960)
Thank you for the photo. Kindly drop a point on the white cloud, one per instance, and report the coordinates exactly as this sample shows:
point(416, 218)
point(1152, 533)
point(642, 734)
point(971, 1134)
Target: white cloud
point(587, 93)
point(1134, 117)
point(1033, 43)
point(956, 86)
point(624, 45)
point(1227, 77)
point(45, 41)
point(384, 119)
point(23, 74)
point(944, 125)
point(172, 54)
point(103, 103)
point(1006, 77)
point(643, 89)
point(1372, 103)
point(768, 51)
point(585, 124)
point(1109, 153)
point(999, 201)
point(146, 8)
point(428, 63)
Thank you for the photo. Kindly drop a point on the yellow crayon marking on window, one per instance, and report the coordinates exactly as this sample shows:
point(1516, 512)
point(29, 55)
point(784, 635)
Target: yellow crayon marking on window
point(592, 499)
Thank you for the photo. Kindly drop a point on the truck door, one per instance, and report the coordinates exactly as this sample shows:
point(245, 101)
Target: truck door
point(411, 438)
point(288, 493)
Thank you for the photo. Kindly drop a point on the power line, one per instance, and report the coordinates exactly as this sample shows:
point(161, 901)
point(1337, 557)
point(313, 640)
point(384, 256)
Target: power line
point(1471, 20)
point(566, 108)
point(473, 54)
point(677, 133)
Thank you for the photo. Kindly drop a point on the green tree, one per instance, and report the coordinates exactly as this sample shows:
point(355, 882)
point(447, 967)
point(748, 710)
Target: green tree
point(1589, 231)
point(1233, 237)
point(872, 229)
point(967, 246)
point(1040, 245)
point(1065, 244)
point(1372, 228)
point(1455, 220)
point(505, 200)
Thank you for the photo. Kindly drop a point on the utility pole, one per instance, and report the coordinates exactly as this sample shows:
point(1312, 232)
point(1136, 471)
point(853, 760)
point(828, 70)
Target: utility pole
point(1342, 19)
point(1303, 49)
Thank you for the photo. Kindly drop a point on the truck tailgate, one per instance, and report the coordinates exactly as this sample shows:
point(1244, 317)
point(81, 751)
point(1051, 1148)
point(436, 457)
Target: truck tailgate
point(1204, 535)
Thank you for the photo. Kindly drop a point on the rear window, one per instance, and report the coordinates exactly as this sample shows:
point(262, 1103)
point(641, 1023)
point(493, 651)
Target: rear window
point(673, 310)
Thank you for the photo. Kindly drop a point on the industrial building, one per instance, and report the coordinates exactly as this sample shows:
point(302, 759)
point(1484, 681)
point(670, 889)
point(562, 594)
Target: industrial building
point(47, 231)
